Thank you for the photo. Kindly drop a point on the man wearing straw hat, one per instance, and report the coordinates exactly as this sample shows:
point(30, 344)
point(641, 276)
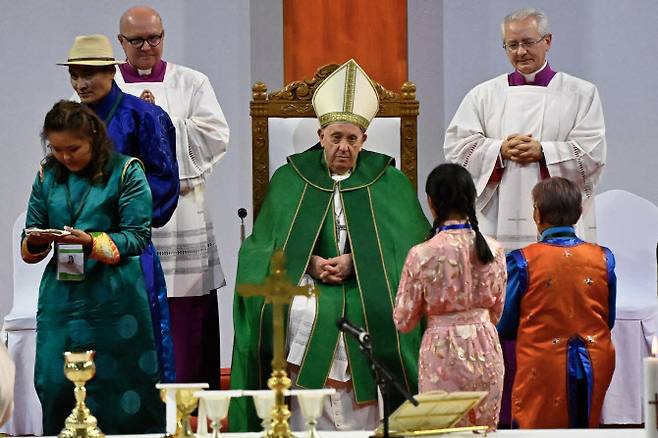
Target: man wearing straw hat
point(345, 218)
point(144, 131)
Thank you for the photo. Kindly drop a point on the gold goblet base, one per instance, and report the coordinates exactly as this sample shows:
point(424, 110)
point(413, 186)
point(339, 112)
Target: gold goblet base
point(81, 424)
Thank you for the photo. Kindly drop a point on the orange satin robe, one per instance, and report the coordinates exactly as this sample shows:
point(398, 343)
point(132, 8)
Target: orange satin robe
point(564, 316)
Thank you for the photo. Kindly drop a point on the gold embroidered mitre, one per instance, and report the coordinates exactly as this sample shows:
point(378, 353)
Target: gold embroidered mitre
point(348, 96)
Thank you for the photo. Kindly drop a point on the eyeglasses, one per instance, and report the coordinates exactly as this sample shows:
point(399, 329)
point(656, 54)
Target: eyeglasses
point(514, 46)
point(138, 43)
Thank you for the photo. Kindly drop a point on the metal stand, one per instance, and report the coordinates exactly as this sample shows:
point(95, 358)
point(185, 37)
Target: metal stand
point(385, 380)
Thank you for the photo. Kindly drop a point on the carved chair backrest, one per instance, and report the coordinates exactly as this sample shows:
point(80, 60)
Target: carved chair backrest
point(294, 102)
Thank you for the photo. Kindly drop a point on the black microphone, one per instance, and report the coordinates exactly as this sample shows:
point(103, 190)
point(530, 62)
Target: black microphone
point(242, 213)
point(360, 334)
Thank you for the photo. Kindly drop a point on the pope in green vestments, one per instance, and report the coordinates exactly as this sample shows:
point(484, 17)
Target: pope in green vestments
point(306, 210)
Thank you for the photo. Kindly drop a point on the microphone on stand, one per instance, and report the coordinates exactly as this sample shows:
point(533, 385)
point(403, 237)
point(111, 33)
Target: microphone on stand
point(360, 334)
point(242, 213)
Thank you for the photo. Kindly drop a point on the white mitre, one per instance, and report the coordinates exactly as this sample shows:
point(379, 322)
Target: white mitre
point(347, 95)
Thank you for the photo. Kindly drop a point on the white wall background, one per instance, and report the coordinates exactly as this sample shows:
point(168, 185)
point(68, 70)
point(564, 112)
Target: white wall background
point(453, 45)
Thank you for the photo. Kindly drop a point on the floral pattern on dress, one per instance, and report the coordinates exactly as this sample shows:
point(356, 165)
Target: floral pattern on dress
point(462, 300)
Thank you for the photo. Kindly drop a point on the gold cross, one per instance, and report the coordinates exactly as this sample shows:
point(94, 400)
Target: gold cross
point(279, 291)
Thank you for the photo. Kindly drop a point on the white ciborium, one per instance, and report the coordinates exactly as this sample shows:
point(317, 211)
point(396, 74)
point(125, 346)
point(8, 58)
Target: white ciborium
point(310, 403)
point(214, 406)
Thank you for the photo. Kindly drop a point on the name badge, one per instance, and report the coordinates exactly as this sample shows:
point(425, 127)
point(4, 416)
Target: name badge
point(70, 262)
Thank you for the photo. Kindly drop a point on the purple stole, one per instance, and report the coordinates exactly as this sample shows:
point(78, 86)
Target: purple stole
point(542, 78)
point(131, 75)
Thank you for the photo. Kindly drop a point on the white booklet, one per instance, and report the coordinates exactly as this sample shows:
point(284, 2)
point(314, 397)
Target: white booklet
point(52, 231)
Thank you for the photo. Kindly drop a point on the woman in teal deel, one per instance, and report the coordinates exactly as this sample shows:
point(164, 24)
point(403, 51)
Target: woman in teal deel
point(95, 300)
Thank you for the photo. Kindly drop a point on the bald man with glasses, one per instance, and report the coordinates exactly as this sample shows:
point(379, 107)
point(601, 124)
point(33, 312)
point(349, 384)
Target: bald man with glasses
point(517, 129)
point(186, 245)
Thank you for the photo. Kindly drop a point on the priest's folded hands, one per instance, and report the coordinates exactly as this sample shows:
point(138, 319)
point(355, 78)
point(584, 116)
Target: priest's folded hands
point(521, 148)
point(334, 270)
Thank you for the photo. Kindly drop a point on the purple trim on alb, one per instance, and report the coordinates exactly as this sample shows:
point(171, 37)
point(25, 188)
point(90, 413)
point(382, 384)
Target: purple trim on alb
point(542, 79)
point(130, 74)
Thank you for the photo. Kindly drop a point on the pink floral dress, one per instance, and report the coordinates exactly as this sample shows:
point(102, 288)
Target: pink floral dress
point(461, 299)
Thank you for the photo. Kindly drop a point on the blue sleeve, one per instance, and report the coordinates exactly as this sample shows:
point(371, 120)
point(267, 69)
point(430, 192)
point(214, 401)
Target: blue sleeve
point(517, 283)
point(612, 287)
point(157, 150)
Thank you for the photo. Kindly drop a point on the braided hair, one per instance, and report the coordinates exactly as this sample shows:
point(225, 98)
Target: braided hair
point(451, 189)
point(81, 121)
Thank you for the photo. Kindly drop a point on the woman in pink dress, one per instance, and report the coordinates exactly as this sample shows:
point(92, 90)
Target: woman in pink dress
point(456, 280)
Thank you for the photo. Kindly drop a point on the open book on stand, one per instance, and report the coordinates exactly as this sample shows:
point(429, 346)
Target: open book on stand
point(437, 412)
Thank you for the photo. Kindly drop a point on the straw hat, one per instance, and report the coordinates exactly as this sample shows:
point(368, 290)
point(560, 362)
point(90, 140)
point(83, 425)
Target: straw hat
point(347, 96)
point(94, 50)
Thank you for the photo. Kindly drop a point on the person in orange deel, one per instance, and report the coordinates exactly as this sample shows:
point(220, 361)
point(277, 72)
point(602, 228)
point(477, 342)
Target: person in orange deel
point(560, 308)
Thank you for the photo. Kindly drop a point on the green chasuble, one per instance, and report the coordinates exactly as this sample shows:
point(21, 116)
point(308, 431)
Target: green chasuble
point(384, 221)
point(108, 311)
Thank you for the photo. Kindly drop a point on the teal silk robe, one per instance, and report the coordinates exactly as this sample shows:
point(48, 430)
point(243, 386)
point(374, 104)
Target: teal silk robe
point(384, 221)
point(108, 311)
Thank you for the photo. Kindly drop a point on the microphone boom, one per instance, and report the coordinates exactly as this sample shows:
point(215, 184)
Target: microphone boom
point(357, 332)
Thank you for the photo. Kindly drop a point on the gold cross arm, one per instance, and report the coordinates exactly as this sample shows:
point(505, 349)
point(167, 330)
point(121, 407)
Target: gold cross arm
point(277, 288)
point(275, 292)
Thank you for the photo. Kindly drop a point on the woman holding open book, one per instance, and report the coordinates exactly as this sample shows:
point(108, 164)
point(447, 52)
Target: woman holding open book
point(97, 205)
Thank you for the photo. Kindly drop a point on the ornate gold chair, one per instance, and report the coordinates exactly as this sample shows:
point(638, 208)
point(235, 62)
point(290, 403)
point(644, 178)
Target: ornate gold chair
point(283, 123)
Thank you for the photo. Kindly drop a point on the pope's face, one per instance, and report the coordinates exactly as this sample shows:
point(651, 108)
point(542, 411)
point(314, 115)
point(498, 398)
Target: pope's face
point(530, 53)
point(91, 83)
point(342, 143)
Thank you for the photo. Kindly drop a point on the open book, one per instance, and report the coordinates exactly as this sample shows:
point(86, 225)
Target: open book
point(52, 231)
point(437, 412)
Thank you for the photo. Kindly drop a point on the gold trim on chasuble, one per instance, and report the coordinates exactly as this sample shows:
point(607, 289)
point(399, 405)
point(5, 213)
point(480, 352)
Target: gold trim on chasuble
point(388, 285)
point(363, 304)
point(308, 258)
point(315, 319)
point(309, 182)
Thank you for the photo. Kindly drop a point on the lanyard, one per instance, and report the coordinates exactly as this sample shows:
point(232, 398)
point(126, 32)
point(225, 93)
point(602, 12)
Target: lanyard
point(75, 214)
point(454, 227)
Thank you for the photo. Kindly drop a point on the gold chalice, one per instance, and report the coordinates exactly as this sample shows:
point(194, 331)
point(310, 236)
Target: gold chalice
point(79, 368)
point(186, 403)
